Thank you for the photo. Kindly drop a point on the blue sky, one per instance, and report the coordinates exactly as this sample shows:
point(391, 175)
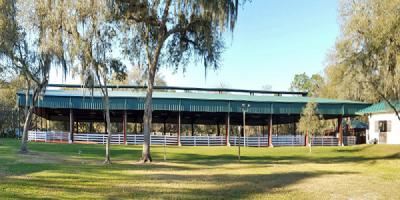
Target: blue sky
point(273, 40)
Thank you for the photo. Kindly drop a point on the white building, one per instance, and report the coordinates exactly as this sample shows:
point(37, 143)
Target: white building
point(384, 125)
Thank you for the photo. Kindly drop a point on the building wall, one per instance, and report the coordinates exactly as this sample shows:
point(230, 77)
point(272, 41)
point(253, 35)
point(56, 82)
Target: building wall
point(393, 136)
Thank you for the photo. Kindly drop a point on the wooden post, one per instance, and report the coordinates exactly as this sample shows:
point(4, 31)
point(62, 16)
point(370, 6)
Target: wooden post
point(270, 131)
point(192, 129)
point(164, 131)
point(41, 119)
point(179, 129)
point(71, 126)
point(218, 129)
point(124, 120)
point(105, 127)
point(227, 129)
point(263, 130)
point(47, 123)
point(340, 131)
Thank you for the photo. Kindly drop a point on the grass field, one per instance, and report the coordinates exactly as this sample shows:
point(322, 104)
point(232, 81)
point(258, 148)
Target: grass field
point(63, 171)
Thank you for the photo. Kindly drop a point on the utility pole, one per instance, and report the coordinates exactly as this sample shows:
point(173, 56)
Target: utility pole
point(240, 133)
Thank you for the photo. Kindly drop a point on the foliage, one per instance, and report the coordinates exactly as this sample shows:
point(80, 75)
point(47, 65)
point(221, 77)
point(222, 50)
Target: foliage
point(138, 76)
point(31, 42)
point(309, 120)
point(368, 49)
point(8, 101)
point(172, 33)
point(90, 43)
point(304, 83)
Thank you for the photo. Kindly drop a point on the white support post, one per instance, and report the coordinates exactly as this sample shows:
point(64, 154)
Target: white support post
point(134, 140)
point(292, 140)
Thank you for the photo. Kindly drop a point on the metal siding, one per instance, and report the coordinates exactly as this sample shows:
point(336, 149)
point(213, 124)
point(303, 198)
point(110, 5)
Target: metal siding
point(193, 105)
point(330, 109)
point(288, 108)
point(166, 104)
point(255, 107)
point(190, 105)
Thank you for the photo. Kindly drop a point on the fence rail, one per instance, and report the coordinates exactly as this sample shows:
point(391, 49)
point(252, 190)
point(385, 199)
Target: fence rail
point(252, 141)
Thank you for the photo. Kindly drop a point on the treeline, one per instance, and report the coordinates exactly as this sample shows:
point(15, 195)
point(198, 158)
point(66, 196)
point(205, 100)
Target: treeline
point(364, 63)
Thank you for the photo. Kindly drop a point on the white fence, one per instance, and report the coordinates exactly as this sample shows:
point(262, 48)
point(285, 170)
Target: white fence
point(253, 141)
point(43, 136)
point(203, 140)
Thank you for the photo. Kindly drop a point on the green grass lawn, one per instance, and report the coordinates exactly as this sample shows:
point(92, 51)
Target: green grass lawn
point(64, 171)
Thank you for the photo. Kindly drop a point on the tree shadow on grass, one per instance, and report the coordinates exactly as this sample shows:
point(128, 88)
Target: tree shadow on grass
point(210, 160)
point(354, 149)
point(172, 186)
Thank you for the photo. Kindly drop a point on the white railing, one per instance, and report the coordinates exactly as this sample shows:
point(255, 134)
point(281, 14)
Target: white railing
point(48, 136)
point(324, 141)
point(349, 140)
point(203, 140)
point(252, 141)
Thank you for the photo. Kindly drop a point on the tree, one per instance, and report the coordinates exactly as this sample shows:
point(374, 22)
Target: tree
point(369, 46)
point(138, 76)
point(102, 72)
point(30, 46)
point(8, 101)
point(304, 83)
point(91, 35)
point(310, 122)
point(173, 33)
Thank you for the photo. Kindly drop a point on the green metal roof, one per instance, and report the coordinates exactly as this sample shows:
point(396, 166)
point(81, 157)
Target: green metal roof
point(381, 107)
point(193, 102)
point(355, 124)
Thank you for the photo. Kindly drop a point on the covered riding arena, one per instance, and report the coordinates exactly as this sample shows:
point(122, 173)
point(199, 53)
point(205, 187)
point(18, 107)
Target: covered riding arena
point(228, 108)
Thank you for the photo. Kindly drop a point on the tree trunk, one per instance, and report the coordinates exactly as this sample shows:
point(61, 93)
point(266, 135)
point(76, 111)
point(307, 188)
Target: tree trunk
point(147, 120)
point(108, 124)
point(147, 116)
point(311, 136)
point(24, 141)
point(306, 139)
point(28, 119)
point(152, 64)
